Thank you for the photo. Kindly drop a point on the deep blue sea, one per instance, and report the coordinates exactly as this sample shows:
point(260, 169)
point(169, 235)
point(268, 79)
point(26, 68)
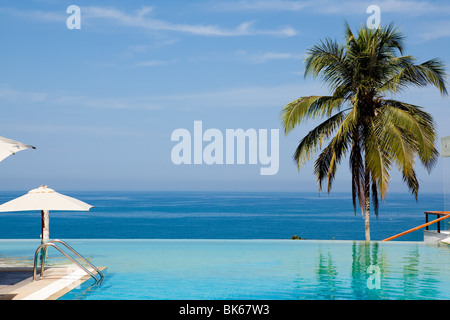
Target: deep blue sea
point(222, 215)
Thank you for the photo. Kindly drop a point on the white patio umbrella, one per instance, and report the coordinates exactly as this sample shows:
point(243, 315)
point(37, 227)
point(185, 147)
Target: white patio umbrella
point(9, 147)
point(44, 199)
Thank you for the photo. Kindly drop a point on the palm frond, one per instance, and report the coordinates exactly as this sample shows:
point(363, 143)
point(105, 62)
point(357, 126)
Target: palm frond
point(390, 39)
point(375, 197)
point(420, 127)
point(326, 164)
point(311, 107)
point(401, 146)
point(313, 141)
point(409, 176)
point(431, 72)
point(328, 59)
point(377, 159)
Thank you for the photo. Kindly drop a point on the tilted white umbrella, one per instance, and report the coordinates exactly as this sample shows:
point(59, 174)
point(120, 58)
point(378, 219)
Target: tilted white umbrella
point(9, 147)
point(44, 199)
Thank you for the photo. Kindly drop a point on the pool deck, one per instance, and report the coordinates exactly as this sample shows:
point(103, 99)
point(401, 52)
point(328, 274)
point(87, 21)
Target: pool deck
point(16, 283)
point(432, 236)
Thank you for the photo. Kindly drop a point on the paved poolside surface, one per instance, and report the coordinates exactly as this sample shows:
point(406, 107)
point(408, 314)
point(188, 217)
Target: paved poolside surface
point(16, 283)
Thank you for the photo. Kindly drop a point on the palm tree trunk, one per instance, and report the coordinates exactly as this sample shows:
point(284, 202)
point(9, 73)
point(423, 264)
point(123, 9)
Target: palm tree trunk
point(367, 204)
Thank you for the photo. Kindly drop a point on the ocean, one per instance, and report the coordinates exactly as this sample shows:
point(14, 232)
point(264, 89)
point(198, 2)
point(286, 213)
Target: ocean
point(222, 215)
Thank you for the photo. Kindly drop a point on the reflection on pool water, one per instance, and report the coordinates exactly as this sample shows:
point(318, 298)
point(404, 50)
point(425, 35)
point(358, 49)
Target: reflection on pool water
point(258, 269)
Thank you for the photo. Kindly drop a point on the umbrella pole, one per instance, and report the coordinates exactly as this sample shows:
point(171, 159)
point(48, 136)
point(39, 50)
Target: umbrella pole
point(45, 232)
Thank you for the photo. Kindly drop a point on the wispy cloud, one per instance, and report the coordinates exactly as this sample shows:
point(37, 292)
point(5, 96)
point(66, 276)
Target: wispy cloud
point(437, 26)
point(240, 97)
point(410, 7)
point(244, 56)
point(141, 20)
point(267, 56)
point(154, 63)
point(35, 14)
point(159, 43)
point(435, 30)
point(248, 97)
point(137, 51)
point(63, 128)
point(8, 95)
point(260, 5)
point(132, 103)
point(413, 7)
point(16, 96)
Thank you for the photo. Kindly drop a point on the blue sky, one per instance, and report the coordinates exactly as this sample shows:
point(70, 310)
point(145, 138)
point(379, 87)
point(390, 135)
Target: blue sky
point(100, 103)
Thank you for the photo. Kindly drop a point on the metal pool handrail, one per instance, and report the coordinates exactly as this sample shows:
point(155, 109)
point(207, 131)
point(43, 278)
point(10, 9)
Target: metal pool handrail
point(51, 243)
point(79, 255)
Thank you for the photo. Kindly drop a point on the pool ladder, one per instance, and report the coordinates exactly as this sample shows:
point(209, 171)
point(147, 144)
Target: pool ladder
point(43, 249)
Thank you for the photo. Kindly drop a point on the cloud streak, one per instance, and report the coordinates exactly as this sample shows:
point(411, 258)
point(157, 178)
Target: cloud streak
point(154, 63)
point(242, 97)
point(410, 7)
point(39, 15)
point(268, 56)
point(436, 30)
point(261, 5)
point(15, 96)
point(141, 20)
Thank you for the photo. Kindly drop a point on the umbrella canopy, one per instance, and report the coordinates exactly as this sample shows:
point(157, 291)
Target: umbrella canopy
point(9, 147)
point(44, 199)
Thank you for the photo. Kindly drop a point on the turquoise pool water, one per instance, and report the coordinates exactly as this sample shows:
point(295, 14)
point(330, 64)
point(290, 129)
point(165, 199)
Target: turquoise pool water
point(257, 269)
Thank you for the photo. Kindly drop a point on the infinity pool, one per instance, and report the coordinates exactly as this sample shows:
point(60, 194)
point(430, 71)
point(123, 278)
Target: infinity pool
point(256, 269)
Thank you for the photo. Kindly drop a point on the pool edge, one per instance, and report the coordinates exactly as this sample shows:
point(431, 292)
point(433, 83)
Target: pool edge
point(57, 282)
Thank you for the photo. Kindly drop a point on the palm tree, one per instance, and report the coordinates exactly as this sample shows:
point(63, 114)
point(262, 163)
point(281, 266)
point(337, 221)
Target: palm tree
point(375, 131)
